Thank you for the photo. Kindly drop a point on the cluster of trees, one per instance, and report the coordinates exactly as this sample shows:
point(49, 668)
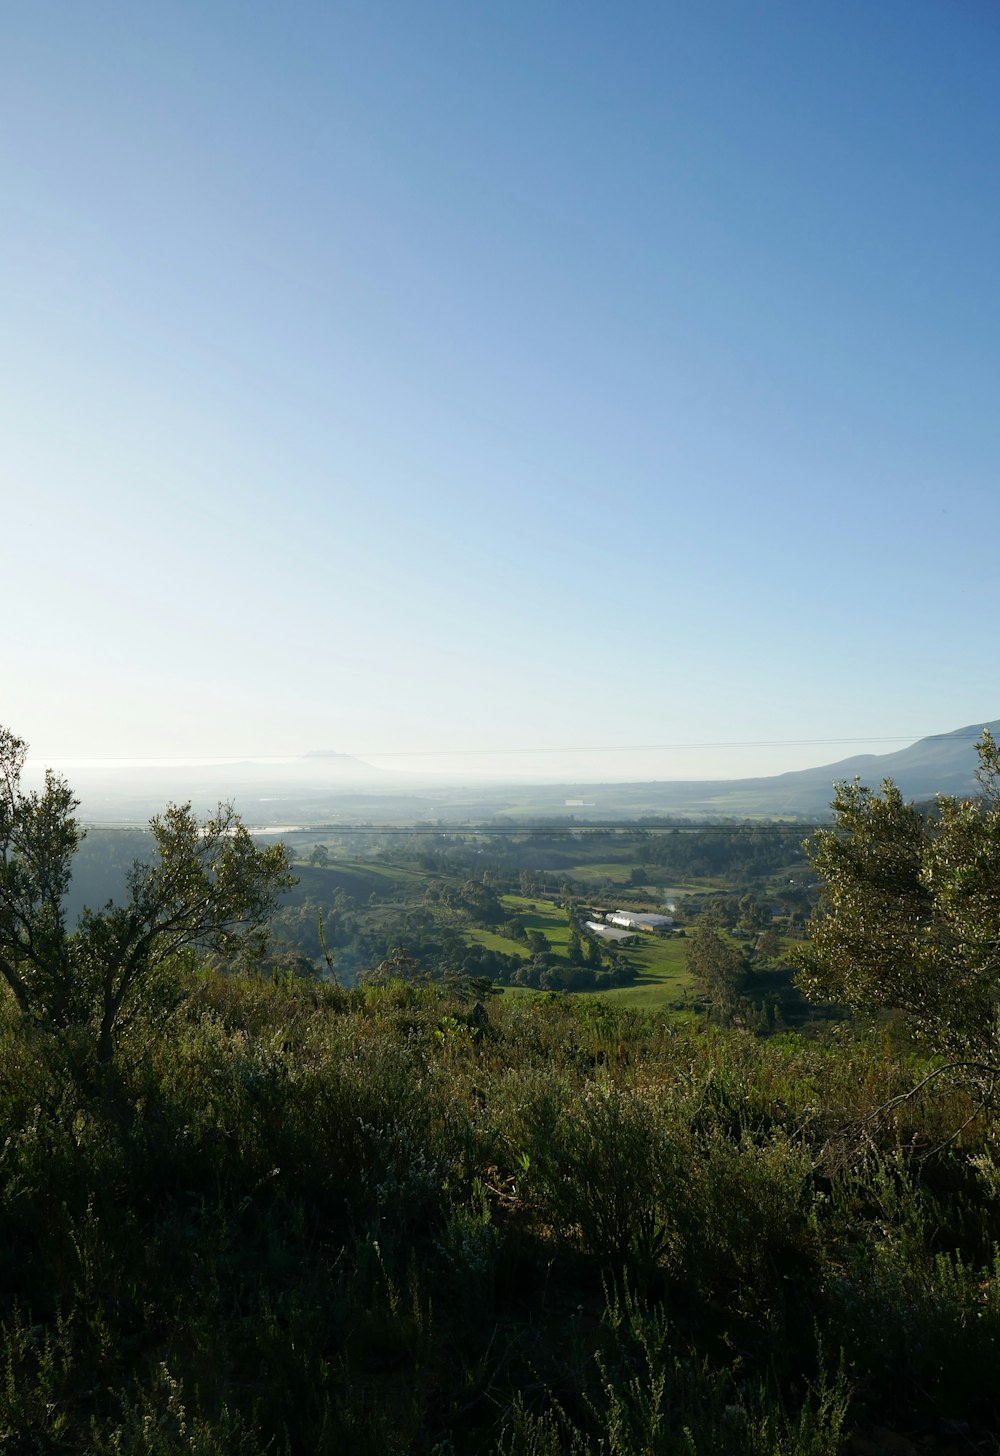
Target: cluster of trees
point(476, 899)
point(205, 886)
point(909, 917)
point(546, 971)
point(739, 851)
point(718, 968)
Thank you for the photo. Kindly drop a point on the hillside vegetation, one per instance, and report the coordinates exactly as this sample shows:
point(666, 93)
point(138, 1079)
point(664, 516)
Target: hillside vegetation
point(247, 1209)
point(399, 1219)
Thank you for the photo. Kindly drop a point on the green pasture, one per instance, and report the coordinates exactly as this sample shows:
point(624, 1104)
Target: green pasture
point(616, 873)
point(619, 873)
point(495, 942)
point(544, 916)
point(663, 974)
point(370, 869)
point(358, 878)
point(648, 996)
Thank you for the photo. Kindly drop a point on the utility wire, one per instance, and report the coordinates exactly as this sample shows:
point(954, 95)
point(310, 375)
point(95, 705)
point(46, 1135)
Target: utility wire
point(211, 759)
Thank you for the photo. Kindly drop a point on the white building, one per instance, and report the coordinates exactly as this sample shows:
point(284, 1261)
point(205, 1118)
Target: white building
point(605, 931)
point(640, 920)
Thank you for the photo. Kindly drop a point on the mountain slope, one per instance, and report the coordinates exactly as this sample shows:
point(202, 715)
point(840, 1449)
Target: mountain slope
point(944, 763)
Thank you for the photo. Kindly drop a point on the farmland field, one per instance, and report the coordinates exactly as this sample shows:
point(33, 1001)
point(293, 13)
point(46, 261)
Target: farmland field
point(661, 962)
point(495, 942)
point(543, 915)
point(663, 975)
point(615, 873)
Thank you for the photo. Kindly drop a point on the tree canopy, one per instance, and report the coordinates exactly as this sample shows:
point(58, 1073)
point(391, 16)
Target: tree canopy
point(208, 885)
point(909, 915)
point(718, 969)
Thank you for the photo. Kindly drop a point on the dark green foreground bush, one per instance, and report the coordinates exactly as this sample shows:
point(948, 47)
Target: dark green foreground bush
point(302, 1220)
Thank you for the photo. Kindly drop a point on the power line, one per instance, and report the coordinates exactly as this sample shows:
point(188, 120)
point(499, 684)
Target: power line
point(210, 760)
point(638, 747)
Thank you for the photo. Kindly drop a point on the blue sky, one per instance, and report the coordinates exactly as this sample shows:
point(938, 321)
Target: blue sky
point(440, 378)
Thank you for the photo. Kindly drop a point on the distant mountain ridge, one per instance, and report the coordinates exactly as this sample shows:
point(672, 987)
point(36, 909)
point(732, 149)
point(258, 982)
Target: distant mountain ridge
point(336, 759)
point(944, 763)
point(258, 787)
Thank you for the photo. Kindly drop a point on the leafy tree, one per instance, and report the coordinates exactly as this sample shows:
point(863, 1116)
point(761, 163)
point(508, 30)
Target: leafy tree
point(718, 969)
point(754, 916)
point(208, 886)
point(721, 912)
point(909, 915)
point(768, 946)
point(592, 952)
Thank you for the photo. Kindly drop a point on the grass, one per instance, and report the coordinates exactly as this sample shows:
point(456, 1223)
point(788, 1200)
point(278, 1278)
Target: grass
point(663, 978)
point(543, 915)
point(495, 942)
point(358, 878)
point(617, 873)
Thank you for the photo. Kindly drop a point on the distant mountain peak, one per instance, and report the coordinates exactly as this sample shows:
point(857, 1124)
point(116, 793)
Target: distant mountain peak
point(323, 760)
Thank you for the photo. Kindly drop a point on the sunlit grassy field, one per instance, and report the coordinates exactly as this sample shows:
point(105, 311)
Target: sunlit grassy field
point(496, 942)
point(543, 915)
point(663, 973)
point(618, 873)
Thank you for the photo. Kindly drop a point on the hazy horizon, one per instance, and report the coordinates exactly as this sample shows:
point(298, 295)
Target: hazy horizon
point(499, 389)
point(620, 765)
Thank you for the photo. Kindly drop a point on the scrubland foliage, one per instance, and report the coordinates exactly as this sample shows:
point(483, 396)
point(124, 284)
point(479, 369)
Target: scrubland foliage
point(383, 1220)
point(909, 917)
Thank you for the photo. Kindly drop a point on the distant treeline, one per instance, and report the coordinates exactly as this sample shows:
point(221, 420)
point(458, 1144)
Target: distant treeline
point(746, 850)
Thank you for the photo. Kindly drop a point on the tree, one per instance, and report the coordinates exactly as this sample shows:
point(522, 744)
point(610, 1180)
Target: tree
point(754, 916)
point(909, 914)
point(718, 969)
point(768, 946)
point(209, 886)
point(721, 912)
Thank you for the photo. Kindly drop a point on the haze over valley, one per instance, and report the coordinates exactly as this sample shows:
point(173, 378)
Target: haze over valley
point(326, 786)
